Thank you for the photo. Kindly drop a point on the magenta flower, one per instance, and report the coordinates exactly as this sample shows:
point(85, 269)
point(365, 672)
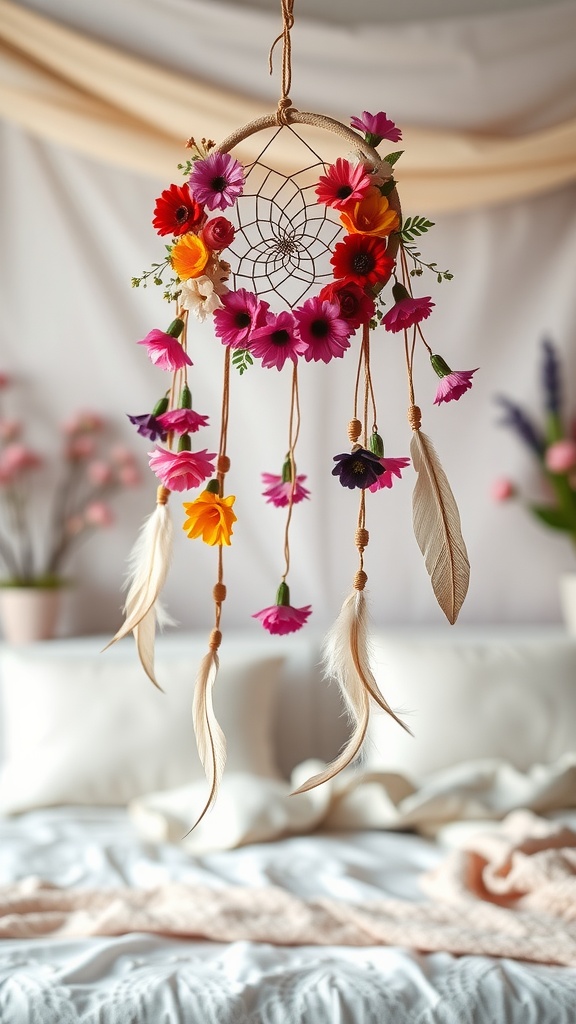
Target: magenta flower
point(277, 340)
point(407, 311)
point(180, 471)
point(343, 183)
point(322, 329)
point(183, 421)
point(241, 313)
point(217, 181)
point(282, 618)
point(376, 127)
point(453, 386)
point(277, 490)
point(392, 468)
point(165, 351)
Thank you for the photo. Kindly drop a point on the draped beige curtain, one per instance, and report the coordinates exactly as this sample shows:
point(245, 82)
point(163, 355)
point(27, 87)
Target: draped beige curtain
point(70, 89)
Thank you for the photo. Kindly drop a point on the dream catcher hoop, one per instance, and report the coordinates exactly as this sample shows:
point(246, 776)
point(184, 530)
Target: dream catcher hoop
point(307, 258)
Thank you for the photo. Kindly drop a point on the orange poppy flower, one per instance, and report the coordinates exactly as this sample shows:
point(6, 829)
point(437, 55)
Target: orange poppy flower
point(210, 517)
point(189, 256)
point(371, 216)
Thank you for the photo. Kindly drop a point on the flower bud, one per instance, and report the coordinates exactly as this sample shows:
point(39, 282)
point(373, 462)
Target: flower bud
point(283, 594)
point(440, 366)
point(160, 407)
point(176, 328)
point(185, 398)
point(377, 445)
point(184, 443)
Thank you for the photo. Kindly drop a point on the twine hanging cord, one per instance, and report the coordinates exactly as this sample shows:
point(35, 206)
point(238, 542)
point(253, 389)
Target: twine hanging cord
point(288, 22)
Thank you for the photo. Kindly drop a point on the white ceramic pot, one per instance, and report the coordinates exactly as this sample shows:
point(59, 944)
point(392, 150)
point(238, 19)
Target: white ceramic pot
point(568, 601)
point(29, 613)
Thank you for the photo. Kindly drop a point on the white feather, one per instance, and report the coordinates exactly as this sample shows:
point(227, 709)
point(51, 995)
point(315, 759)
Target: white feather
point(437, 528)
point(145, 635)
point(346, 660)
point(209, 736)
point(148, 566)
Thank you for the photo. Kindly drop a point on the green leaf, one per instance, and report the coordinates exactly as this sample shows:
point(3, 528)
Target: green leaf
point(241, 360)
point(554, 517)
point(392, 158)
point(387, 187)
point(413, 227)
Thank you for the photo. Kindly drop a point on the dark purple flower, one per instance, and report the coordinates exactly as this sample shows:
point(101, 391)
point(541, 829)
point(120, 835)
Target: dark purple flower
point(358, 468)
point(519, 421)
point(148, 426)
point(551, 381)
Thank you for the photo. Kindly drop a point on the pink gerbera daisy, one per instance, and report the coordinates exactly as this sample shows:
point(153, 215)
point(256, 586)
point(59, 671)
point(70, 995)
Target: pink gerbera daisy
point(217, 181)
point(392, 468)
point(376, 127)
point(343, 183)
point(322, 329)
point(180, 471)
point(277, 340)
point(241, 313)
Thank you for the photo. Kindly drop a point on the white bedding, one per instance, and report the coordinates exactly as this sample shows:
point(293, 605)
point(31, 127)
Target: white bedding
point(145, 979)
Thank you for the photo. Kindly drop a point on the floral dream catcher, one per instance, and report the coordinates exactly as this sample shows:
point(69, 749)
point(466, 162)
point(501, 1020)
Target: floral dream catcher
point(290, 269)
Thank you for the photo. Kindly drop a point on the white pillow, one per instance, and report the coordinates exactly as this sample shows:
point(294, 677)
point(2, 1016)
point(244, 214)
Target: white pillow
point(85, 727)
point(468, 698)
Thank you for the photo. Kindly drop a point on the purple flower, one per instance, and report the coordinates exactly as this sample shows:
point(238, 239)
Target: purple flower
point(376, 127)
point(358, 468)
point(522, 424)
point(277, 341)
point(551, 379)
point(241, 313)
point(322, 329)
point(392, 468)
point(149, 426)
point(217, 181)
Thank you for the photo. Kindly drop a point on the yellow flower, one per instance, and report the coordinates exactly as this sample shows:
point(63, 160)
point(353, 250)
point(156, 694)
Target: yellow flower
point(210, 517)
point(189, 256)
point(370, 216)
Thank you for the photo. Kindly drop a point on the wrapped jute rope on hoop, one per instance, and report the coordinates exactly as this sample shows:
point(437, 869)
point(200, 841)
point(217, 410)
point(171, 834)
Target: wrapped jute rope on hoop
point(296, 272)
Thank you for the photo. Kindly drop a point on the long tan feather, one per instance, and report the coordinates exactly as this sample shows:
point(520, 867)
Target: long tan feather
point(145, 636)
point(437, 528)
point(209, 736)
point(346, 659)
point(148, 566)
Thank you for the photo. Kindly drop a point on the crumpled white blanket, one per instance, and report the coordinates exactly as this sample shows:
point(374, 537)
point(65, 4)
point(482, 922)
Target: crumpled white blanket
point(251, 809)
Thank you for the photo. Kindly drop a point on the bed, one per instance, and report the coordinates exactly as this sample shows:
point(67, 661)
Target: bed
point(96, 870)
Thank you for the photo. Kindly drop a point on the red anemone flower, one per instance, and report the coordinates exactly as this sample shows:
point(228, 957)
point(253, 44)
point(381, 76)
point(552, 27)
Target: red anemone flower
point(176, 212)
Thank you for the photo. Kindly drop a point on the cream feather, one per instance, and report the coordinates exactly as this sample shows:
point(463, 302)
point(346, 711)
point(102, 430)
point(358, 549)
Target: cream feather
point(346, 659)
point(437, 528)
point(209, 736)
point(148, 566)
point(145, 635)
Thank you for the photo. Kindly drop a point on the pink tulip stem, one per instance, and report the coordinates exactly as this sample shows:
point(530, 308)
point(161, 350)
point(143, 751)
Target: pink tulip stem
point(16, 509)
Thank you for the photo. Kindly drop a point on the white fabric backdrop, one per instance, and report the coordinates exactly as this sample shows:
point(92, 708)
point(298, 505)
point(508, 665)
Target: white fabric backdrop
point(75, 231)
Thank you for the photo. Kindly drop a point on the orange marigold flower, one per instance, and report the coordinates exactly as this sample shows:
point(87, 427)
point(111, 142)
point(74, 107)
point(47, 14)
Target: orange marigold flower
point(210, 517)
point(371, 216)
point(189, 256)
